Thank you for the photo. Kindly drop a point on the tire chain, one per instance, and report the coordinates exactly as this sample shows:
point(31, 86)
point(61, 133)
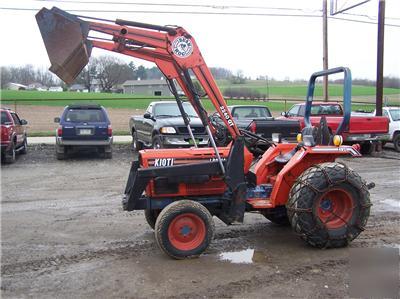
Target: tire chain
point(292, 209)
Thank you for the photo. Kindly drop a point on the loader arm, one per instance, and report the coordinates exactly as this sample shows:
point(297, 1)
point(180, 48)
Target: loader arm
point(172, 49)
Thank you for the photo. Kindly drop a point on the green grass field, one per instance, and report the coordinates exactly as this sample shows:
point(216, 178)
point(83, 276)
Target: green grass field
point(140, 103)
point(277, 90)
point(296, 91)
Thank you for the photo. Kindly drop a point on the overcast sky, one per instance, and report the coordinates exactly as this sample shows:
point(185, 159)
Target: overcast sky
point(279, 47)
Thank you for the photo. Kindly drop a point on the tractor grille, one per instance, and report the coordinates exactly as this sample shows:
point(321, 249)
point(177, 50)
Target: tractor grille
point(195, 130)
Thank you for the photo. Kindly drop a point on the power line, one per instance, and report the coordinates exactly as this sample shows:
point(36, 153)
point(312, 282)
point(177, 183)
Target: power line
point(367, 16)
point(175, 12)
point(178, 5)
point(203, 13)
point(359, 21)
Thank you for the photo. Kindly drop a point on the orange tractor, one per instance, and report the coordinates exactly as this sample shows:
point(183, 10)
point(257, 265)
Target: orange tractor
point(180, 190)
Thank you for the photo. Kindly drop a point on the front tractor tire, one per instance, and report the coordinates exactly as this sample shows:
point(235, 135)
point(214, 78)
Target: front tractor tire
point(184, 229)
point(329, 205)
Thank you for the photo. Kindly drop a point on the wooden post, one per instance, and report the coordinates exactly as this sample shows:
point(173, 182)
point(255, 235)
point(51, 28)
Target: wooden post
point(379, 66)
point(325, 47)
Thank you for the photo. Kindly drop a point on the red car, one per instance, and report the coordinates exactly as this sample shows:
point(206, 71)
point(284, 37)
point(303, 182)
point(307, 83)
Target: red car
point(13, 135)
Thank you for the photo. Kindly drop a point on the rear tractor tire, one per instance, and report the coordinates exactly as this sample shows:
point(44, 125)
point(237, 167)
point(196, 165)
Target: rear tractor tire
point(184, 229)
point(329, 205)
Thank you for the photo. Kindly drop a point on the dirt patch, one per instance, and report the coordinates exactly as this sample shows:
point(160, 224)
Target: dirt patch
point(65, 235)
point(41, 118)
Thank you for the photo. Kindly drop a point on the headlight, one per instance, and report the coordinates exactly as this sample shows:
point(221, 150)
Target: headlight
point(337, 140)
point(299, 138)
point(168, 130)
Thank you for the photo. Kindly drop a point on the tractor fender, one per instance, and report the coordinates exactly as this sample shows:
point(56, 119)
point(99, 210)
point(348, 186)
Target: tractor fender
point(301, 161)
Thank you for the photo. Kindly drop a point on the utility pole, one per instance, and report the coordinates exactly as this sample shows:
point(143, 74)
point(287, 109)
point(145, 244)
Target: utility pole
point(379, 66)
point(266, 78)
point(325, 46)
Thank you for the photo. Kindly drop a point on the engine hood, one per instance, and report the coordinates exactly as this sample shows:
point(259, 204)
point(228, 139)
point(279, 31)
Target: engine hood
point(177, 121)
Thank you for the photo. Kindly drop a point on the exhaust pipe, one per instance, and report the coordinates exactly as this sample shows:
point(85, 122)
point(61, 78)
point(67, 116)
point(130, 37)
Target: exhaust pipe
point(65, 38)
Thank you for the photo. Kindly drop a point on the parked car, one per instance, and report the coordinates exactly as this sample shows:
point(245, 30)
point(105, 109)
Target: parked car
point(83, 127)
point(393, 114)
point(13, 135)
point(162, 126)
point(258, 120)
point(362, 129)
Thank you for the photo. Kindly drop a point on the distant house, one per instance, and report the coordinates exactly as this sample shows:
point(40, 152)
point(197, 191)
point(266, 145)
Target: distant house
point(16, 86)
point(55, 88)
point(78, 88)
point(37, 86)
point(147, 87)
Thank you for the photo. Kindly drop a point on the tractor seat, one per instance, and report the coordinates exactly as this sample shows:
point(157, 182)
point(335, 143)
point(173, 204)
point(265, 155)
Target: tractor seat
point(283, 159)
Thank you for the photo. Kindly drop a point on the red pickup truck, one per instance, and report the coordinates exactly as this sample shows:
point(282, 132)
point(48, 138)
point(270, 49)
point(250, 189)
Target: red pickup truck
point(13, 135)
point(362, 129)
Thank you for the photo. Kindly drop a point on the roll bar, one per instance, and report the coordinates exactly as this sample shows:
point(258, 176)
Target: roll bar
point(346, 96)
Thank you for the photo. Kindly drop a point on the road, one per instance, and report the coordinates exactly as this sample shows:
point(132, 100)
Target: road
point(64, 235)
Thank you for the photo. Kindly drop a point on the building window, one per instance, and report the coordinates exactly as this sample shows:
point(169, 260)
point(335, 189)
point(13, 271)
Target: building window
point(157, 93)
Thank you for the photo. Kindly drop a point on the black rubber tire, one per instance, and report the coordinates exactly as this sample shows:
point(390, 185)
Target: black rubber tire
point(157, 143)
point(277, 216)
point(304, 197)
point(396, 142)
point(151, 217)
point(60, 155)
point(367, 148)
point(136, 144)
point(24, 148)
point(10, 156)
point(107, 152)
point(166, 217)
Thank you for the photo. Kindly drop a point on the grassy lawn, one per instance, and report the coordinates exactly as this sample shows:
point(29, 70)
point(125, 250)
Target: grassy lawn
point(290, 90)
point(109, 100)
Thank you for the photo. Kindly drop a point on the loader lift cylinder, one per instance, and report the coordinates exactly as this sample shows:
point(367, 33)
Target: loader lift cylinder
point(185, 117)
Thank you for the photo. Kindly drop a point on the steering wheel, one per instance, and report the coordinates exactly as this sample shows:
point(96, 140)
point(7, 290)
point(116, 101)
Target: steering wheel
point(255, 137)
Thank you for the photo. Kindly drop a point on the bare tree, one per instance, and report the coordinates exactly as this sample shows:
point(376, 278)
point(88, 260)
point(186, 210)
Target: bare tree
point(26, 74)
point(87, 75)
point(111, 71)
point(239, 78)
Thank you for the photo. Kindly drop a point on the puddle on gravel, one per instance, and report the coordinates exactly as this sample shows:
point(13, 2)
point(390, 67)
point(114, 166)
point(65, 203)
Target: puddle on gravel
point(247, 256)
point(388, 205)
point(393, 203)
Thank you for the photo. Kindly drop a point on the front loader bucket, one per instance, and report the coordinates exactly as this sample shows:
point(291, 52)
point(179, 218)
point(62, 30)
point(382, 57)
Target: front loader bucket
point(65, 38)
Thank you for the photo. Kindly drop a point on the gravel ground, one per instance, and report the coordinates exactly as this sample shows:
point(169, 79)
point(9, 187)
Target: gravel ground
point(64, 235)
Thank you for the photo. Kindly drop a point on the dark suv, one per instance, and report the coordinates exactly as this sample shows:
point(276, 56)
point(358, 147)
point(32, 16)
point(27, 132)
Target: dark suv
point(83, 127)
